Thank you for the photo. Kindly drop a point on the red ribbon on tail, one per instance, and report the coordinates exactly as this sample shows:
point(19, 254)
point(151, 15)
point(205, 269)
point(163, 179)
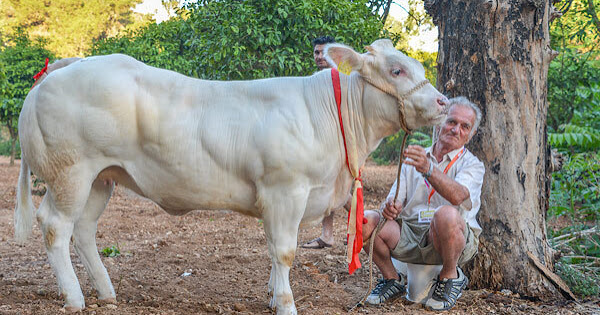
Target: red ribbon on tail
point(41, 73)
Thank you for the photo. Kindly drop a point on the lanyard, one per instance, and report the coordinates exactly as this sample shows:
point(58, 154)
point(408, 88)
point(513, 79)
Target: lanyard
point(445, 172)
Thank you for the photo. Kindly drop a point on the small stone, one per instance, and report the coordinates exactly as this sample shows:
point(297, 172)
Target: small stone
point(239, 307)
point(506, 292)
point(329, 257)
point(93, 306)
point(111, 306)
point(41, 292)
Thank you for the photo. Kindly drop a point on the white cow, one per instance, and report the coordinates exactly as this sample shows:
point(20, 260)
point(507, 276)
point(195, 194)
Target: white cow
point(267, 148)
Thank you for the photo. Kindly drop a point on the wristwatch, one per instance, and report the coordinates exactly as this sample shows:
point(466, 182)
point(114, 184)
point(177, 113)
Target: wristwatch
point(429, 171)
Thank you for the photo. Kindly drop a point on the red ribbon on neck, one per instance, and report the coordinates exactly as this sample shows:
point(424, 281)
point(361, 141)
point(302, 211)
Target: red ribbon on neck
point(358, 239)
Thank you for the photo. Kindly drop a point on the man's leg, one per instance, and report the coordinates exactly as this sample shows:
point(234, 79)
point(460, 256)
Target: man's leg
point(447, 234)
point(327, 229)
point(387, 238)
point(385, 242)
point(326, 238)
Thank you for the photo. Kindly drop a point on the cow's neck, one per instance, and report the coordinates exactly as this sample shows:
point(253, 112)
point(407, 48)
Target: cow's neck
point(377, 114)
point(353, 113)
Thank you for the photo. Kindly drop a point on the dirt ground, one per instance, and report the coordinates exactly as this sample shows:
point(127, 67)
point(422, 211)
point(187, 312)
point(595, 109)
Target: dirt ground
point(209, 262)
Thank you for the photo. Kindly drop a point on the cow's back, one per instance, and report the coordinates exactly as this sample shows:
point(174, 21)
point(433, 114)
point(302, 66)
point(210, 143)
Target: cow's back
point(172, 134)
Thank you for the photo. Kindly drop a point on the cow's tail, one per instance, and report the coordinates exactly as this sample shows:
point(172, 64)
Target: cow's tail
point(24, 208)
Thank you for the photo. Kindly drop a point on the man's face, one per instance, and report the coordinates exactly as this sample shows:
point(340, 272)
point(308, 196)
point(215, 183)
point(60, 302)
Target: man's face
point(320, 57)
point(456, 130)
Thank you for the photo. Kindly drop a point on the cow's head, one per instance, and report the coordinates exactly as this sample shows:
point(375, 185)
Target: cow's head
point(396, 74)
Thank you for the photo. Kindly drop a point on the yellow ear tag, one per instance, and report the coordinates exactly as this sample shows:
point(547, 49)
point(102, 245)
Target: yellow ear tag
point(345, 67)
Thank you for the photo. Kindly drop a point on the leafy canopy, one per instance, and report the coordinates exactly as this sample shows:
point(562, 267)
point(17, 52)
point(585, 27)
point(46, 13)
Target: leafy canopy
point(230, 40)
point(69, 26)
point(576, 36)
point(21, 59)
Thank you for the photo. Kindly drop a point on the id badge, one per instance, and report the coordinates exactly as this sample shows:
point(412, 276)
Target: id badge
point(425, 216)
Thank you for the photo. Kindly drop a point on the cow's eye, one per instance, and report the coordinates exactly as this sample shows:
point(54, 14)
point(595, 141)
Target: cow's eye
point(397, 72)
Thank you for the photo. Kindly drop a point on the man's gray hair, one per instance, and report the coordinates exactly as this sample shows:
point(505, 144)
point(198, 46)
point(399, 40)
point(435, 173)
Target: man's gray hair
point(461, 100)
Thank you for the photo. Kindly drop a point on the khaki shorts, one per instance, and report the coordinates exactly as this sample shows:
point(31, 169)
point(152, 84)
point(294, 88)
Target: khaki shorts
point(413, 248)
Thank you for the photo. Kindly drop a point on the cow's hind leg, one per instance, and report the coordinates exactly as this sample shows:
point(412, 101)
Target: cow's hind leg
point(283, 208)
point(85, 240)
point(59, 209)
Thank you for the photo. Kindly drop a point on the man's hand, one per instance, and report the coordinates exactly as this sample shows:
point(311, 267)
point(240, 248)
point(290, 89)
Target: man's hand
point(391, 210)
point(418, 158)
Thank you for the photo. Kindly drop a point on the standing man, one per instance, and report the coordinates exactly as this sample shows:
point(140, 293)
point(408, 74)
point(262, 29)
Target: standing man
point(326, 238)
point(433, 222)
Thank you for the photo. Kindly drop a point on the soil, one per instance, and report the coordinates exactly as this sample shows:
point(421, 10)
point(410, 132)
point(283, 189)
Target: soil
point(209, 262)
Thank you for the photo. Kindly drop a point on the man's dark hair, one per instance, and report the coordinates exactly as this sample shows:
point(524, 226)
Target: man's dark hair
point(323, 40)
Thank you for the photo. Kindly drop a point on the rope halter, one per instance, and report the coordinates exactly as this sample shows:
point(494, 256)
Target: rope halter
point(400, 99)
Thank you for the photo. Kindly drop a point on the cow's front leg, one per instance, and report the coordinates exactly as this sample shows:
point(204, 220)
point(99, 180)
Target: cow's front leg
point(283, 208)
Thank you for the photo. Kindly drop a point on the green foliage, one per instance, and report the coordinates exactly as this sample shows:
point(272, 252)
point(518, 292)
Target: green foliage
point(575, 201)
point(70, 26)
point(582, 133)
point(576, 188)
point(429, 61)
point(575, 137)
point(112, 251)
point(576, 36)
point(580, 283)
point(6, 146)
point(571, 77)
point(161, 45)
point(21, 59)
point(231, 40)
point(417, 21)
point(577, 26)
point(265, 38)
point(388, 150)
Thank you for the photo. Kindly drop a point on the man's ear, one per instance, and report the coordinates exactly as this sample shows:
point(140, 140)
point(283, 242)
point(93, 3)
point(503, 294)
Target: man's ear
point(343, 58)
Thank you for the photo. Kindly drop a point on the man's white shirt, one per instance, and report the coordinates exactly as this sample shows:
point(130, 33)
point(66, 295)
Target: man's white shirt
point(414, 191)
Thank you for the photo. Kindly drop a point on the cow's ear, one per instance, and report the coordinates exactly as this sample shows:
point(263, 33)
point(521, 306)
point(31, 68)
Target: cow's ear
point(371, 50)
point(343, 58)
point(379, 45)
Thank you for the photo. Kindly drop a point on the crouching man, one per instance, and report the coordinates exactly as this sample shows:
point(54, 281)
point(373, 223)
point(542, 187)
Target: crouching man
point(433, 222)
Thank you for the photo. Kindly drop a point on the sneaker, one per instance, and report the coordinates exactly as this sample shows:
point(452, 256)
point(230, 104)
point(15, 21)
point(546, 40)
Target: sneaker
point(446, 292)
point(386, 290)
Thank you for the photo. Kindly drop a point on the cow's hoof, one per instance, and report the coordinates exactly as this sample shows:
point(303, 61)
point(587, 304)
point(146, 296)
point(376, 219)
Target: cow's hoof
point(106, 301)
point(272, 303)
point(73, 309)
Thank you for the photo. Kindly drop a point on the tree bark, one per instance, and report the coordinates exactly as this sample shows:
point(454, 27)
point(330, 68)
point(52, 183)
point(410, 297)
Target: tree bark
point(496, 53)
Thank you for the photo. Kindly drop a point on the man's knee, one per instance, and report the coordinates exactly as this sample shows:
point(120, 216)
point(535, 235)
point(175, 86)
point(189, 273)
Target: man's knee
point(448, 224)
point(372, 221)
point(448, 215)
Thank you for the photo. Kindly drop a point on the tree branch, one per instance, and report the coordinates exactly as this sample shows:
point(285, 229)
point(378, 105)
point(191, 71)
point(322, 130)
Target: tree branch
point(386, 11)
point(592, 11)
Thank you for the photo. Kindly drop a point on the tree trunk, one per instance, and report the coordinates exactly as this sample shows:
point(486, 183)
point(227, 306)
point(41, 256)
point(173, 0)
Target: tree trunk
point(13, 142)
point(496, 53)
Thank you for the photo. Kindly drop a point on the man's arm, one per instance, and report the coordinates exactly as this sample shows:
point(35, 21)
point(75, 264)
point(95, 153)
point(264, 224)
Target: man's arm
point(448, 188)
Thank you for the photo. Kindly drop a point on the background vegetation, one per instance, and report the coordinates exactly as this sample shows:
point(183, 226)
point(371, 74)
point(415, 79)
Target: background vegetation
point(574, 131)
point(251, 39)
